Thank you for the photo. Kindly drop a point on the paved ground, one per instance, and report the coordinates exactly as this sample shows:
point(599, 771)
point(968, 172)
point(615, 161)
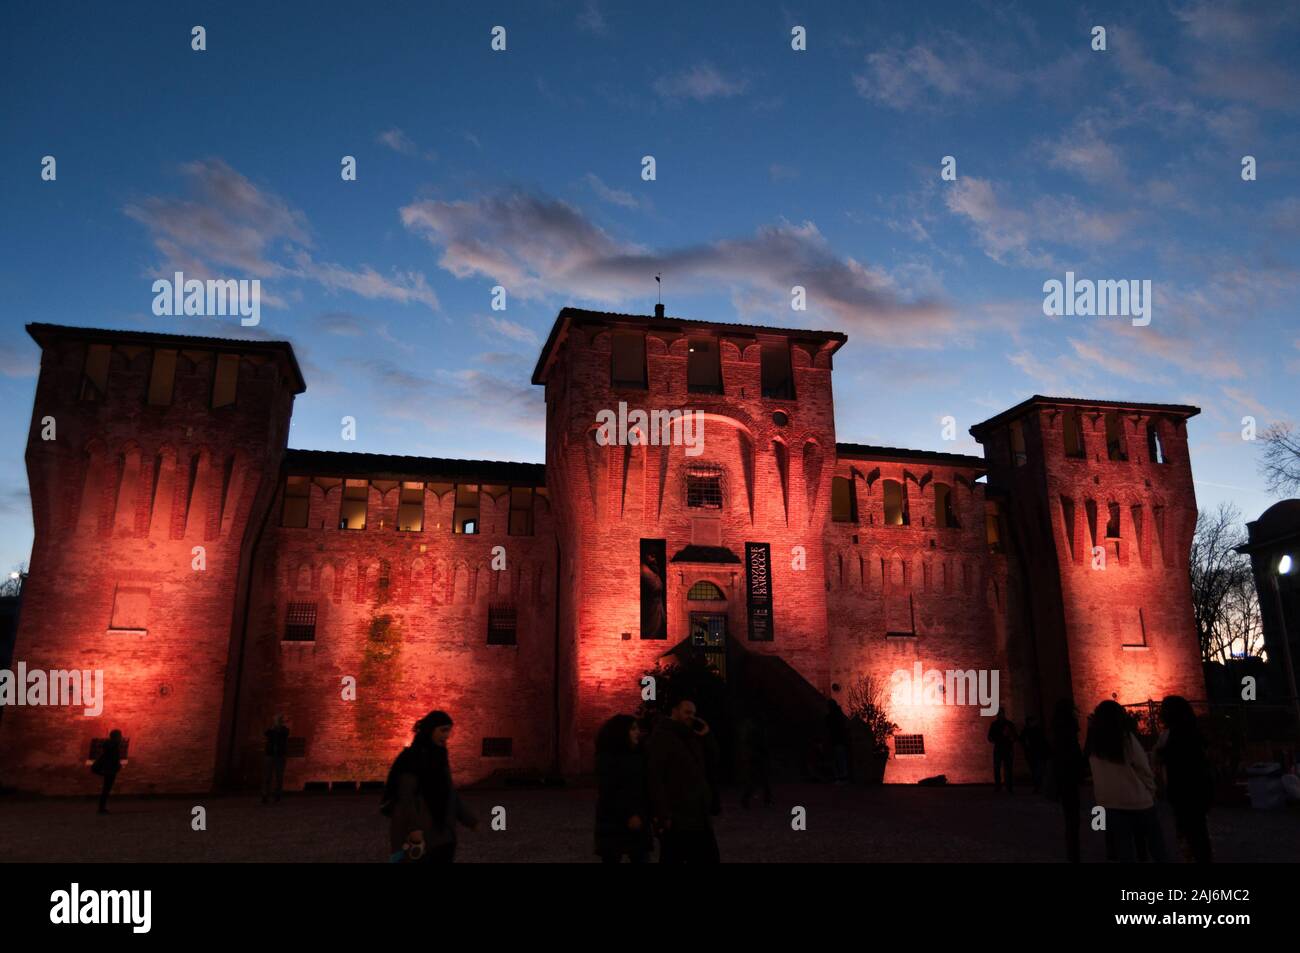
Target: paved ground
point(878, 824)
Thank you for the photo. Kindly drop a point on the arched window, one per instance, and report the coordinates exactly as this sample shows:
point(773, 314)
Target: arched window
point(895, 504)
point(705, 591)
point(844, 501)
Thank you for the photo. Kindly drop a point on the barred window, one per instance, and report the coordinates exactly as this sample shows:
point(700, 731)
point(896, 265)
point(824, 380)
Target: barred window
point(909, 744)
point(502, 621)
point(704, 487)
point(300, 622)
point(705, 591)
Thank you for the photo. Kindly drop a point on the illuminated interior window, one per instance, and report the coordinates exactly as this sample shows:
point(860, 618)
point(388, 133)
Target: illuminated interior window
point(300, 622)
point(704, 487)
point(705, 591)
point(993, 532)
point(94, 379)
point(627, 360)
point(944, 515)
point(297, 502)
point(162, 378)
point(703, 367)
point(465, 516)
point(352, 510)
point(410, 508)
point(844, 500)
point(225, 380)
point(895, 504)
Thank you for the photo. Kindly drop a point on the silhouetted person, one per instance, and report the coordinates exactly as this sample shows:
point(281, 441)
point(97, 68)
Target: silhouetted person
point(420, 797)
point(682, 757)
point(837, 733)
point(1189, 780)
point(277, 750)
point(1068, 771)
point(754, 758)
point(623, 801)
point(107, 765)
point(1124, 784)
point(1002, 735)
point(1034, 741)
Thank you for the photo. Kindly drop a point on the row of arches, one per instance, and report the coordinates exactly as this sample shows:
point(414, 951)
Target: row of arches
point(420, 580)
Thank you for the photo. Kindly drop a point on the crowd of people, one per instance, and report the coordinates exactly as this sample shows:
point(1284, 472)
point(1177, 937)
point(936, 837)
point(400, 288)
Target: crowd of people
point(658, 780)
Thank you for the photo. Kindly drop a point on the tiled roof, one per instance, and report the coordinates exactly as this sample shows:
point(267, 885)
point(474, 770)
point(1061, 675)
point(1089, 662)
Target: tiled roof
point(1182, 410)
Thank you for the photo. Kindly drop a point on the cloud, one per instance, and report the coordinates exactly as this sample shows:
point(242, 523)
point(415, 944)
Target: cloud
point(538, 247)
point(228, 227)
point(612, 196)
point(1082, 151)
point(919, 77)
point(592, 20)
point(701, 82)
point(21, 361)
point(401, 143)
point(511, 330)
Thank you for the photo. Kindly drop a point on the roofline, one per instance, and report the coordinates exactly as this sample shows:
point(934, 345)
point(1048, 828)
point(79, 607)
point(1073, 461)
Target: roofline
point(393, 466)
point(1183, 410)
point(859, 451)
point(567, 316)
point(39, 331)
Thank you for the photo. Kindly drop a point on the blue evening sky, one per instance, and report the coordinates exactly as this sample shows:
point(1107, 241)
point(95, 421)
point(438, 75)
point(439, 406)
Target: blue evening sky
point(774, 168)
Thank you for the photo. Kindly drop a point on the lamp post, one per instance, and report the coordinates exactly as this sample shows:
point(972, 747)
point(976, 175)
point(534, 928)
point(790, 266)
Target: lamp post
point(1285, 565)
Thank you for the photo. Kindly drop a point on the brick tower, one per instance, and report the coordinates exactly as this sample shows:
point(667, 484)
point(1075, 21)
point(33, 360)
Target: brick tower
point(152, 459)
point(653, 539)
point(1102, 516)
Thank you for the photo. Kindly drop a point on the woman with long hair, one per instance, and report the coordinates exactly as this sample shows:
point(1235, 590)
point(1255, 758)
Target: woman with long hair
point(1123, 785)
point(421, 799)
point(1189, 780)
point(623, 801)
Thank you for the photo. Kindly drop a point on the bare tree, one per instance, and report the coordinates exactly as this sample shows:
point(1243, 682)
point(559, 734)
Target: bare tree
point(1280, 464)
point(12, 583)
point(1224, 602)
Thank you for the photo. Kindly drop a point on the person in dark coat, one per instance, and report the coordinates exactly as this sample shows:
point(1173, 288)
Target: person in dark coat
point(1189, 779)
point(1002, 735)
point(1068, 771)
point(277, 751)
point(623, 801)
point(1034, 740)
point(683, 798)
point(421, 799)
point(107, 765)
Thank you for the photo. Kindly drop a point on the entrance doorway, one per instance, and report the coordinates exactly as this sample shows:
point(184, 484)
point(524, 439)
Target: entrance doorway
point(709, 635)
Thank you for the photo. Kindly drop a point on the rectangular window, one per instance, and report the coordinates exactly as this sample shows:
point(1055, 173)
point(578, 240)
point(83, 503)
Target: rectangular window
point(225, 380)
point(410, 508)
point(703, 367)
point(1155, 449)
point(895, 504)
point(300, 622)
point(1018, 455)
point(944, 516)
point(993, 532)
point(352, 509)
point(778, 381)
point(1115, 449)
point(502, 621)
point(94, 379)
point(627, 360)
point(498, 747)
point(162, 378)
point(521, 511)
point(1112, 521)
point(1073, 431)
point(704, 487)
point(909, 744)
point(844, 500)
point(297, 502)
point(465, 516)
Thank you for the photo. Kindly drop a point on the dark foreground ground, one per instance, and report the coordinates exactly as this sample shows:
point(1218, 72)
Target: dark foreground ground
point(877, 824)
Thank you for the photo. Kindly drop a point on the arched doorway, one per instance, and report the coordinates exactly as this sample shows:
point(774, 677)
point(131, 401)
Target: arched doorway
point(706, 606)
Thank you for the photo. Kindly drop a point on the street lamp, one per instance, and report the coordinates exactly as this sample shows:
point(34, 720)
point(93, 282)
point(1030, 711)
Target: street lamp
point(1284, 567)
